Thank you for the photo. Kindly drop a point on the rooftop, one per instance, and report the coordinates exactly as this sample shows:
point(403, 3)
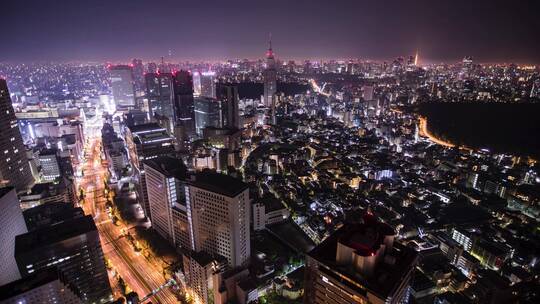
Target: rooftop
point(168, 166)
point(34, 240)
point(385, 278)
point(149, 127)
point(219, 183)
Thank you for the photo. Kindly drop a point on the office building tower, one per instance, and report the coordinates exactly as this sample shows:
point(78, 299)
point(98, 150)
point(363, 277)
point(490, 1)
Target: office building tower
point(218, 209)
point(184, 102)
point(146, 142)
point(350, 68)
point(138, 73)
point(159, 90)
point(122, 85)
point(152, 67)
point(196, 83)
point(207, 113)
point(14, 167)
point(208, 84)
point(50, 169)
point(135, 118)
point(12, 223)
point(74, 248)
point(359, 263)
point(269, 77)
point(46, 287)
point(228, 97)
point(165, 183)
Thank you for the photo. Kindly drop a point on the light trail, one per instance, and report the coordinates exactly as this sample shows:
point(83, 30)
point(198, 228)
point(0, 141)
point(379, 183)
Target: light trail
point(140, 274)
point(424, 132)
point(317, 88)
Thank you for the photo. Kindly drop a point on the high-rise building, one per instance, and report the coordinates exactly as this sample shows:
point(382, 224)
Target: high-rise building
point(269, 77)
point(359, 263)
point(46, 287)
point(159, 90)
point(12, 223)
point(228, 97)
point(165, 183)
point(138, 73)
point(48, 161)
point(152, 67)
point(208, 84)
point(14, 167)
point(218, 209)
point(207, 113)
point(74, 248)
point(122, 85)
point(183, 102)
point(146, 142)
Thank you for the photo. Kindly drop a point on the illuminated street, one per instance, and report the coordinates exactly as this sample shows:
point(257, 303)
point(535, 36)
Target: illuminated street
point(270, 152)
point(141, 275)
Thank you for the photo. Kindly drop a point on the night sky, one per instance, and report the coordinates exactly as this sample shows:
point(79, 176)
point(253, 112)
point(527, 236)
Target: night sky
point(66, 30)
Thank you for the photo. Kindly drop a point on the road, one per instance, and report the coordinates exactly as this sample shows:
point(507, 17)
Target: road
point(423, 131)
point(140, 274)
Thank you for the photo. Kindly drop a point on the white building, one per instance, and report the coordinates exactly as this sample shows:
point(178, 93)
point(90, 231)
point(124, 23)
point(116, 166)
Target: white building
point(165, 183)
point(218, 209)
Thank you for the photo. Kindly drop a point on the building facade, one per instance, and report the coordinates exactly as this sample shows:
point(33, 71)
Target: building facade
point(218, 210)
point(12, 223)
point(74, 248)
point(123, 86)
point(14, 167)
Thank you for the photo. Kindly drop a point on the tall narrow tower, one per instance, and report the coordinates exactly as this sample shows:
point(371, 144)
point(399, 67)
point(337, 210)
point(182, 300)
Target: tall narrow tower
point(14, 168)
point(269, 75)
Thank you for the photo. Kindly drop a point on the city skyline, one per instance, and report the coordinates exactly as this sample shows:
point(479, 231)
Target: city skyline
point(489, 31)
point(301, 152)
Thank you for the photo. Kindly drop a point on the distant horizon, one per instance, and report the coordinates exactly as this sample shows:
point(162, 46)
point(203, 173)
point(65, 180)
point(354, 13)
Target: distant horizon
point(103, 30)
point(297, 60)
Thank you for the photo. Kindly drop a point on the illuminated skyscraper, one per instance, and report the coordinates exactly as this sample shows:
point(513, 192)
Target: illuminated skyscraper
point(207, 82)
point(14, 167)
point(122, 86)
point(228, 97)
point(146, 142)
point(138, 73)
point(165, 183)
point(269, 76)
point(159, 91)
point(207, 113)
point(218, 209)
point(183, 102)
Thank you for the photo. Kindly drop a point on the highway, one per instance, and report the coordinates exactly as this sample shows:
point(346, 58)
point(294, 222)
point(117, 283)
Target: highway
point(140, 274)
point(423, 131)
